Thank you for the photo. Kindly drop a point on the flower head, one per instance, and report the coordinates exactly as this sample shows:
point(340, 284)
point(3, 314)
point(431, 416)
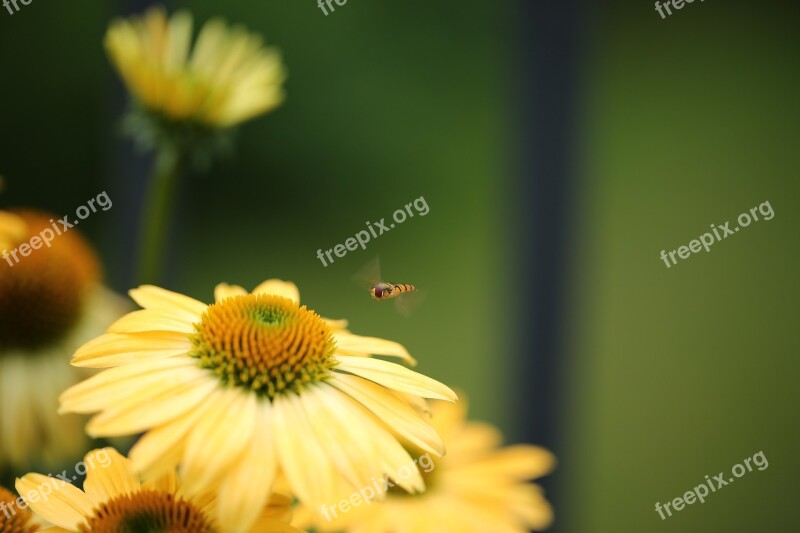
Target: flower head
point(477, 487)
point(236, 390)
point(114, 500)
point(51, 302)
point(228, 77)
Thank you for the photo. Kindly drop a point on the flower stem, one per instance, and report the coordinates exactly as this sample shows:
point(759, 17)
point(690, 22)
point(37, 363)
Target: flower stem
point(156, 210)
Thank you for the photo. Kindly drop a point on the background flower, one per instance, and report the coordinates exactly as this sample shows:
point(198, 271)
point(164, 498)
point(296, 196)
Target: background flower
point(115, 500)
point(477, 487)
point(51, 302)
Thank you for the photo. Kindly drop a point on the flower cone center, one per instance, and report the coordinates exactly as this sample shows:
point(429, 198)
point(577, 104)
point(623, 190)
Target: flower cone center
point(13, 519)
point(264, 343)
point(147, 512)
point(41, 293)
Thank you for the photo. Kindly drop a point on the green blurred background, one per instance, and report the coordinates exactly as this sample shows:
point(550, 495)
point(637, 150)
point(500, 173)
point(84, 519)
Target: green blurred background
point(664, 376)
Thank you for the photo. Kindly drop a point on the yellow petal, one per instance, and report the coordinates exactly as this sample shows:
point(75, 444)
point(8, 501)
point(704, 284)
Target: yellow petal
point(302, 457)
point(158, 406)
point(160, 450)
point(253, 474)
point(395, 377)
point(118, 384)
point(349, 344)
point(287, 289)
point(64, 506)
point(223, 290)
point(151, 297)
point(218, 439)
point(153, 320)
point(115, 349)
point(354, 452)
point(108, 475)
point(399, 416)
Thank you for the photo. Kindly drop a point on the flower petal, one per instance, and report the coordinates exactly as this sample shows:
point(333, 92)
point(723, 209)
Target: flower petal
point(395, 377)
point(287, 289)
point(399, 416)
point(153, 320)
point(160, 450)
point(65, 506)
point(223, 290)
point(115, 349)
point(151, 297)
point(304, 461)
point(253, 474)
point(108, 475)
point(218, 439)
point(103, 390)
point(155, 407)
point(349, 344)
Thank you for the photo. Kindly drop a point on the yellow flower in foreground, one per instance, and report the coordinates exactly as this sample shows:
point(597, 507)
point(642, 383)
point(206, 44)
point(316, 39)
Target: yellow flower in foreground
point(228, 78)
point(51, 302)
point(477, 488)
point(13, 518)
point(235, 390)
point(116, 501)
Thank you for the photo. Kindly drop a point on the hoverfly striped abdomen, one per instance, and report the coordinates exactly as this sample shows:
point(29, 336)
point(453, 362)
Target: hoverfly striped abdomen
point(384, 291)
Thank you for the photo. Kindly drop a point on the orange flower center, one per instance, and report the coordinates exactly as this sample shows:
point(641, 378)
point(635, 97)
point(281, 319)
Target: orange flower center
point(42, 290)
point(264, 343)
point(147, 512)
point(14, 519)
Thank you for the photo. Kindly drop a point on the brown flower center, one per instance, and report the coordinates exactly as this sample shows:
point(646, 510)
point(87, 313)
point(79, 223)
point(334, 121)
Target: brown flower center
point(264, 343)
point(13, 519)
point(42, 289)
point(147, 512)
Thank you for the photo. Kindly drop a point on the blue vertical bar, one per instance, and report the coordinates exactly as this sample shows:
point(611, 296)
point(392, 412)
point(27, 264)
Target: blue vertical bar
point(550, 42)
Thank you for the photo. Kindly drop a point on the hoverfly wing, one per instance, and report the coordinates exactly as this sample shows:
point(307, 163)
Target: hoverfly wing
point(407, 304)
point(369, 275)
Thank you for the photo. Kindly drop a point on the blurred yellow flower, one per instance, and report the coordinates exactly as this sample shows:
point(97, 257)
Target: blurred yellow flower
point(477, 487)
point(114, 500)
point(228, 78)
point(254, 383)
point(13, 518)
point(51, 302)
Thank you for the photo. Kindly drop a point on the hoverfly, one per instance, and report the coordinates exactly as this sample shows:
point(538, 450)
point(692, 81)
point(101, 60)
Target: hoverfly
point(370, 276)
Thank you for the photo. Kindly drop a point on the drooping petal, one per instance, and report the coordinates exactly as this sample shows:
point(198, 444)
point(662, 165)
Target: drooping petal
point(349, 344)
point(218, 439)
point(395, 377)
point(397, 415)
point(253, 475)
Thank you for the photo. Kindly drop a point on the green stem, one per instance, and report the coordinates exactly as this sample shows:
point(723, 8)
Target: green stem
point(154, 224)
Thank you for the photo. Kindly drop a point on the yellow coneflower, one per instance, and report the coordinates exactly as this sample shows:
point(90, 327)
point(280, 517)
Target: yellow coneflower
point(14, 518)
point(478, 487)
point(115, 500)
point(228, 78)
point(235, 390)
point(51, 302)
